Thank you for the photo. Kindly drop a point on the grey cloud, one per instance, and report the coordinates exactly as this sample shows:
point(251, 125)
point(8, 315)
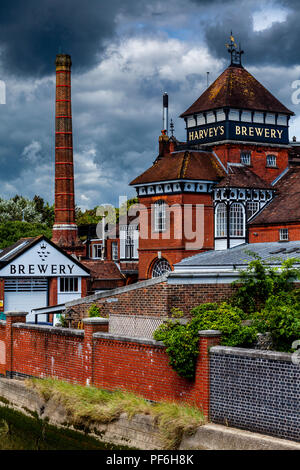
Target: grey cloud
point(32, 32)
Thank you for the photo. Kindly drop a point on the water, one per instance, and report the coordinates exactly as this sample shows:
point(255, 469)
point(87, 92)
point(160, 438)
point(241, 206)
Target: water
point(21, 432)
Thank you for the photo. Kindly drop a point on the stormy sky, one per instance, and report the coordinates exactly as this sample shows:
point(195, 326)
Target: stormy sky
point(125, 54)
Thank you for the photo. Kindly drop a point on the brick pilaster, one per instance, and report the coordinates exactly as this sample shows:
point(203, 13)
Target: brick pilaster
point(11, 318)
point(207, 339)
point(91, 326)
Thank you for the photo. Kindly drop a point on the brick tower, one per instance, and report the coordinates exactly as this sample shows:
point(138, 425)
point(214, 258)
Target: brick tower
point(65, 232)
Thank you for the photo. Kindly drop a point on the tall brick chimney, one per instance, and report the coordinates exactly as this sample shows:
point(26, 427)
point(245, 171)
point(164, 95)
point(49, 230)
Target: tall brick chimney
point(65, 232)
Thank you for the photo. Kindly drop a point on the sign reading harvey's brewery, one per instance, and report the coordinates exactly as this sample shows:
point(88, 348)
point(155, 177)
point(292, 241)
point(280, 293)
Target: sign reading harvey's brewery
point(240, 131)
point(42, 259)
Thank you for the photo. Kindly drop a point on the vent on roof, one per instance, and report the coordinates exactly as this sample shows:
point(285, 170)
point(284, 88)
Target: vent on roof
point(281, 250)
point(284, 250)
point(293, 250)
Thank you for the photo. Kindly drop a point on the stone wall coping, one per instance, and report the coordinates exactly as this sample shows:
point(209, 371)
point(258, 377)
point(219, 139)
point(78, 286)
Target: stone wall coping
point(15, 314)
point(210, 333)
point(95, 321)
point(252, 353)
point(50, 329)
point(129, 339)
point(118, 290)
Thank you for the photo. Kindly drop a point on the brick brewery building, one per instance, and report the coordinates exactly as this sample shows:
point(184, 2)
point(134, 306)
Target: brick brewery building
point(237, 163)
point(235, 180)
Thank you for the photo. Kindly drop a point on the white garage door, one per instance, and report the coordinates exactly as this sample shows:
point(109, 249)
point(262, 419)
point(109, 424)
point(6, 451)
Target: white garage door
point(24, 294)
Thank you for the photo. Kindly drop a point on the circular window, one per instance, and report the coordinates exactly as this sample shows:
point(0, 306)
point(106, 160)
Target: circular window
point(161, 267)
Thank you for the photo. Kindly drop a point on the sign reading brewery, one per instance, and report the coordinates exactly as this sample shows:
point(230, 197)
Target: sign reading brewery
point(43, 259)
point(235, 130)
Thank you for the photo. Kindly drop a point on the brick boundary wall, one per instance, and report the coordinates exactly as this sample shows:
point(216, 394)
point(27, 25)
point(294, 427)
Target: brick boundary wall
point(255, 390)
point(94, 357)
point(154, 297)
point(2, 347)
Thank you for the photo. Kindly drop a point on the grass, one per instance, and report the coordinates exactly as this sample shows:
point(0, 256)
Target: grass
point(86, 406)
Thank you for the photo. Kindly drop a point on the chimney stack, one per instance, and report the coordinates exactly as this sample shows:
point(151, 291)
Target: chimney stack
point(166, 112)
point(65, 232)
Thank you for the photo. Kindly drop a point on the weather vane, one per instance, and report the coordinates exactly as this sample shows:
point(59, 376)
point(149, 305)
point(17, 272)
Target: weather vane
point(234, 51)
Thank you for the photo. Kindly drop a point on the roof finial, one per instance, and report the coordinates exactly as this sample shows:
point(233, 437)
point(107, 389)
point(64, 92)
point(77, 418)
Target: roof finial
point(235, 52)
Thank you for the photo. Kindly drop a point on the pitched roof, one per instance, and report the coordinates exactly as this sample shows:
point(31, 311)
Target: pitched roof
point(14, 251)
point(103, 269)
point(285, 207)
point(192, 165)
point(237, 88)
point(240, 176)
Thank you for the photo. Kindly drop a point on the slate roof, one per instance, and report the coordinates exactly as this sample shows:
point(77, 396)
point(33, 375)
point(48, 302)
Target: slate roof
point(273, 252)
point(241, 176)
point(17, 248)
point(285, 207)
point(191, 165)
point(237, 88)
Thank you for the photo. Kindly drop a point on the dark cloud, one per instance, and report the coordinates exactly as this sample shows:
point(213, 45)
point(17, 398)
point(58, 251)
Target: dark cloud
point(278, 44)
point(33, 31)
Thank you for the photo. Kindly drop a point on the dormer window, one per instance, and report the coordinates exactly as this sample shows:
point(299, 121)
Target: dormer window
point(271, 160)
point(246, 157)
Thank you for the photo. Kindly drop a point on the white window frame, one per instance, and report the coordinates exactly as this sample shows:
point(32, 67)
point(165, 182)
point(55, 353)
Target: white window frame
point(68, 283)
point(221, 220)
point(283, 234)
point(114, 251)
point(250, 208)
point(237, 220)
point(273, 162)
point(160, 216)
point(95, 248)
point(245, 157)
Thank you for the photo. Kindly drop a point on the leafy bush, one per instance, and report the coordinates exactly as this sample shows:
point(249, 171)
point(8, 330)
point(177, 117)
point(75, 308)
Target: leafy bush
point(281, 317)
point(182, 340)
point(260, 281)
point(94, 311)
point(227, 319)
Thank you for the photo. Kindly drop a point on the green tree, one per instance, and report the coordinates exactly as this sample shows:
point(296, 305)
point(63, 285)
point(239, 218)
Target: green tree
point(12, 231)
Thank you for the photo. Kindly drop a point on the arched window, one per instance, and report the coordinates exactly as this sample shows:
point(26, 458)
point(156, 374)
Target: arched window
point(161, 267)
point(236, 220)
point(160, 216)
point(221, 220)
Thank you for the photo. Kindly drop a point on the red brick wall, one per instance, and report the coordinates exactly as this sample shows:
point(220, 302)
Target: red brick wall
point(144, 369)
point(2, 294)
point(231, 153)
point(103, 361)
point(156, 300)
point(2, 349)
point(173, 248)
point(270, 233)
point(40, 353)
